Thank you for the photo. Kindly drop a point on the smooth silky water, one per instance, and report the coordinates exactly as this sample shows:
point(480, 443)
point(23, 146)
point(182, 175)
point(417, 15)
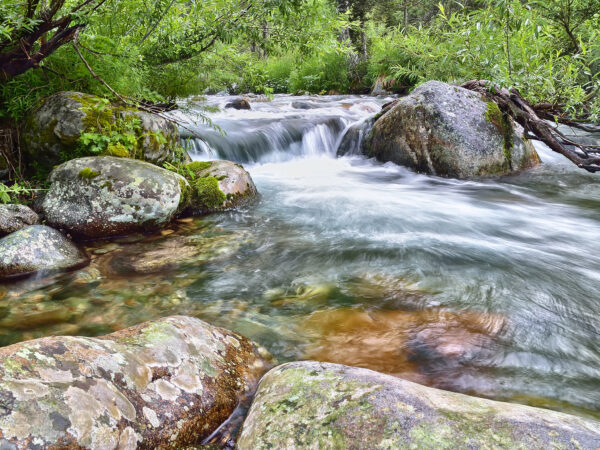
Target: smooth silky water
point(484, 287)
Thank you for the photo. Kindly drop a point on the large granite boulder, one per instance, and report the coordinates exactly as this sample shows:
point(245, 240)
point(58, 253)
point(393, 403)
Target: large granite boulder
point(59, 130)
point(15, 217)
point(320, 405)
point(37, 248)
point(218, 186)
point(446, 130)
point(163, 384)
point(107, 196)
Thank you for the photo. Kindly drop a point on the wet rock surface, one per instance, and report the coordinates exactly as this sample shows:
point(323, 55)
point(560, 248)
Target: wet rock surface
point(109, 196)
point(446, 130)
point(239, 103)
point(37, 248)
point(15, 217)
point(167, 383)
point(320, 405)
point(352, 141)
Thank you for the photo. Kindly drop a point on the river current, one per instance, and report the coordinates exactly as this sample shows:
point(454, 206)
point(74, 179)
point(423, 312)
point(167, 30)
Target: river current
point(487, 287)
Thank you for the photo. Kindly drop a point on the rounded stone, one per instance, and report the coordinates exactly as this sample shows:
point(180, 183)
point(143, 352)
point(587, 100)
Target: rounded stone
point(37, 248)
point(168, 384)
point(231, 179)
point(449, 131)
point(320, 405)
point(108, 196)
point(15, 217)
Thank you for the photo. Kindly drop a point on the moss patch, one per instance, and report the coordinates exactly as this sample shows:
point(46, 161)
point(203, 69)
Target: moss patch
point(208, 194)
point(501, 121)
point(88, 174)
point(198, 166)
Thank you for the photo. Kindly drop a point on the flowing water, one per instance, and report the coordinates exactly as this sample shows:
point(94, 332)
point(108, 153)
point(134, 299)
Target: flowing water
point(488, 287)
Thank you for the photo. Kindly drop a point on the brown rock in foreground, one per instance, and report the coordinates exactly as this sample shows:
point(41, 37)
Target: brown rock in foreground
point(167, 383)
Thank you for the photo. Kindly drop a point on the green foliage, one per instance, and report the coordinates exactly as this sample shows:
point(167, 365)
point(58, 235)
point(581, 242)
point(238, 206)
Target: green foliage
point(110, 131)
point(507, 42)
point(321, 74)
point(20, 192)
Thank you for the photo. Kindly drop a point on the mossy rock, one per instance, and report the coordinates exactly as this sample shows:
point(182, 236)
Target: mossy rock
point(108, 196)
point(218, 186)
point(449, 131)
point(165, 384)
point(56, 132)
point(320, 405)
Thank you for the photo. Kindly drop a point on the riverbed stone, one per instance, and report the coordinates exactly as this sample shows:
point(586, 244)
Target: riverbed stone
point(15, 217)
point(238, 103)
point(51, 133)
point(108, 196)
point(218, 186)
point(320, 405)
point(37, 248)
point(449, 131)
point(168, 383)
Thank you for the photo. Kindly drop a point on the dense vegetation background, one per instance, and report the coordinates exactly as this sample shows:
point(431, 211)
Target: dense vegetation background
point(164, 49)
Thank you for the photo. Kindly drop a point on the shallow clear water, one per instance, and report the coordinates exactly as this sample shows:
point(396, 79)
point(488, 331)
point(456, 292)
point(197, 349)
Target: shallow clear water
point(484, 287)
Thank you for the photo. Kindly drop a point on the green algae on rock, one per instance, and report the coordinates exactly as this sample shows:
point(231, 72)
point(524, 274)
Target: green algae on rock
point(320, 405)
point(446, 130)
point(68, 125)
point(218, 186)
point(163, 384)
point(107, 196)
point(37, 248)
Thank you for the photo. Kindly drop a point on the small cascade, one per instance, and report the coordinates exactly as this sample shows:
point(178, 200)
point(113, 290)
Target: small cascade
point(278, 130)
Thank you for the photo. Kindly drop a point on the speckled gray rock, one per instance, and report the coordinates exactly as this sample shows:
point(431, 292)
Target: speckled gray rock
point(15, 217)
point(163, 384)
point(37, 248)
point(320, 405)
point(108, 196)
point(449, 131)
point(233, 181)
point(52, 131)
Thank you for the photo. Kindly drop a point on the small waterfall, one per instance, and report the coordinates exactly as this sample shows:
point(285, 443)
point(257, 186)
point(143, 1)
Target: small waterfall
point(278, 130)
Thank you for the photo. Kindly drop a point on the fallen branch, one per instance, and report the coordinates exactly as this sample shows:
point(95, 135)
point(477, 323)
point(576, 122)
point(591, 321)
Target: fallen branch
point(513, 104)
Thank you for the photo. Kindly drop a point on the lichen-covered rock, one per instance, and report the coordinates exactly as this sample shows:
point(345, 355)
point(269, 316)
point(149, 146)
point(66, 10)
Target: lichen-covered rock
point(320, 405)
point(163, 384)
point(53, 132)
point(37, 248)
point(15, 217)
point(218, 186)
point(449, 131)
point(108, 196)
